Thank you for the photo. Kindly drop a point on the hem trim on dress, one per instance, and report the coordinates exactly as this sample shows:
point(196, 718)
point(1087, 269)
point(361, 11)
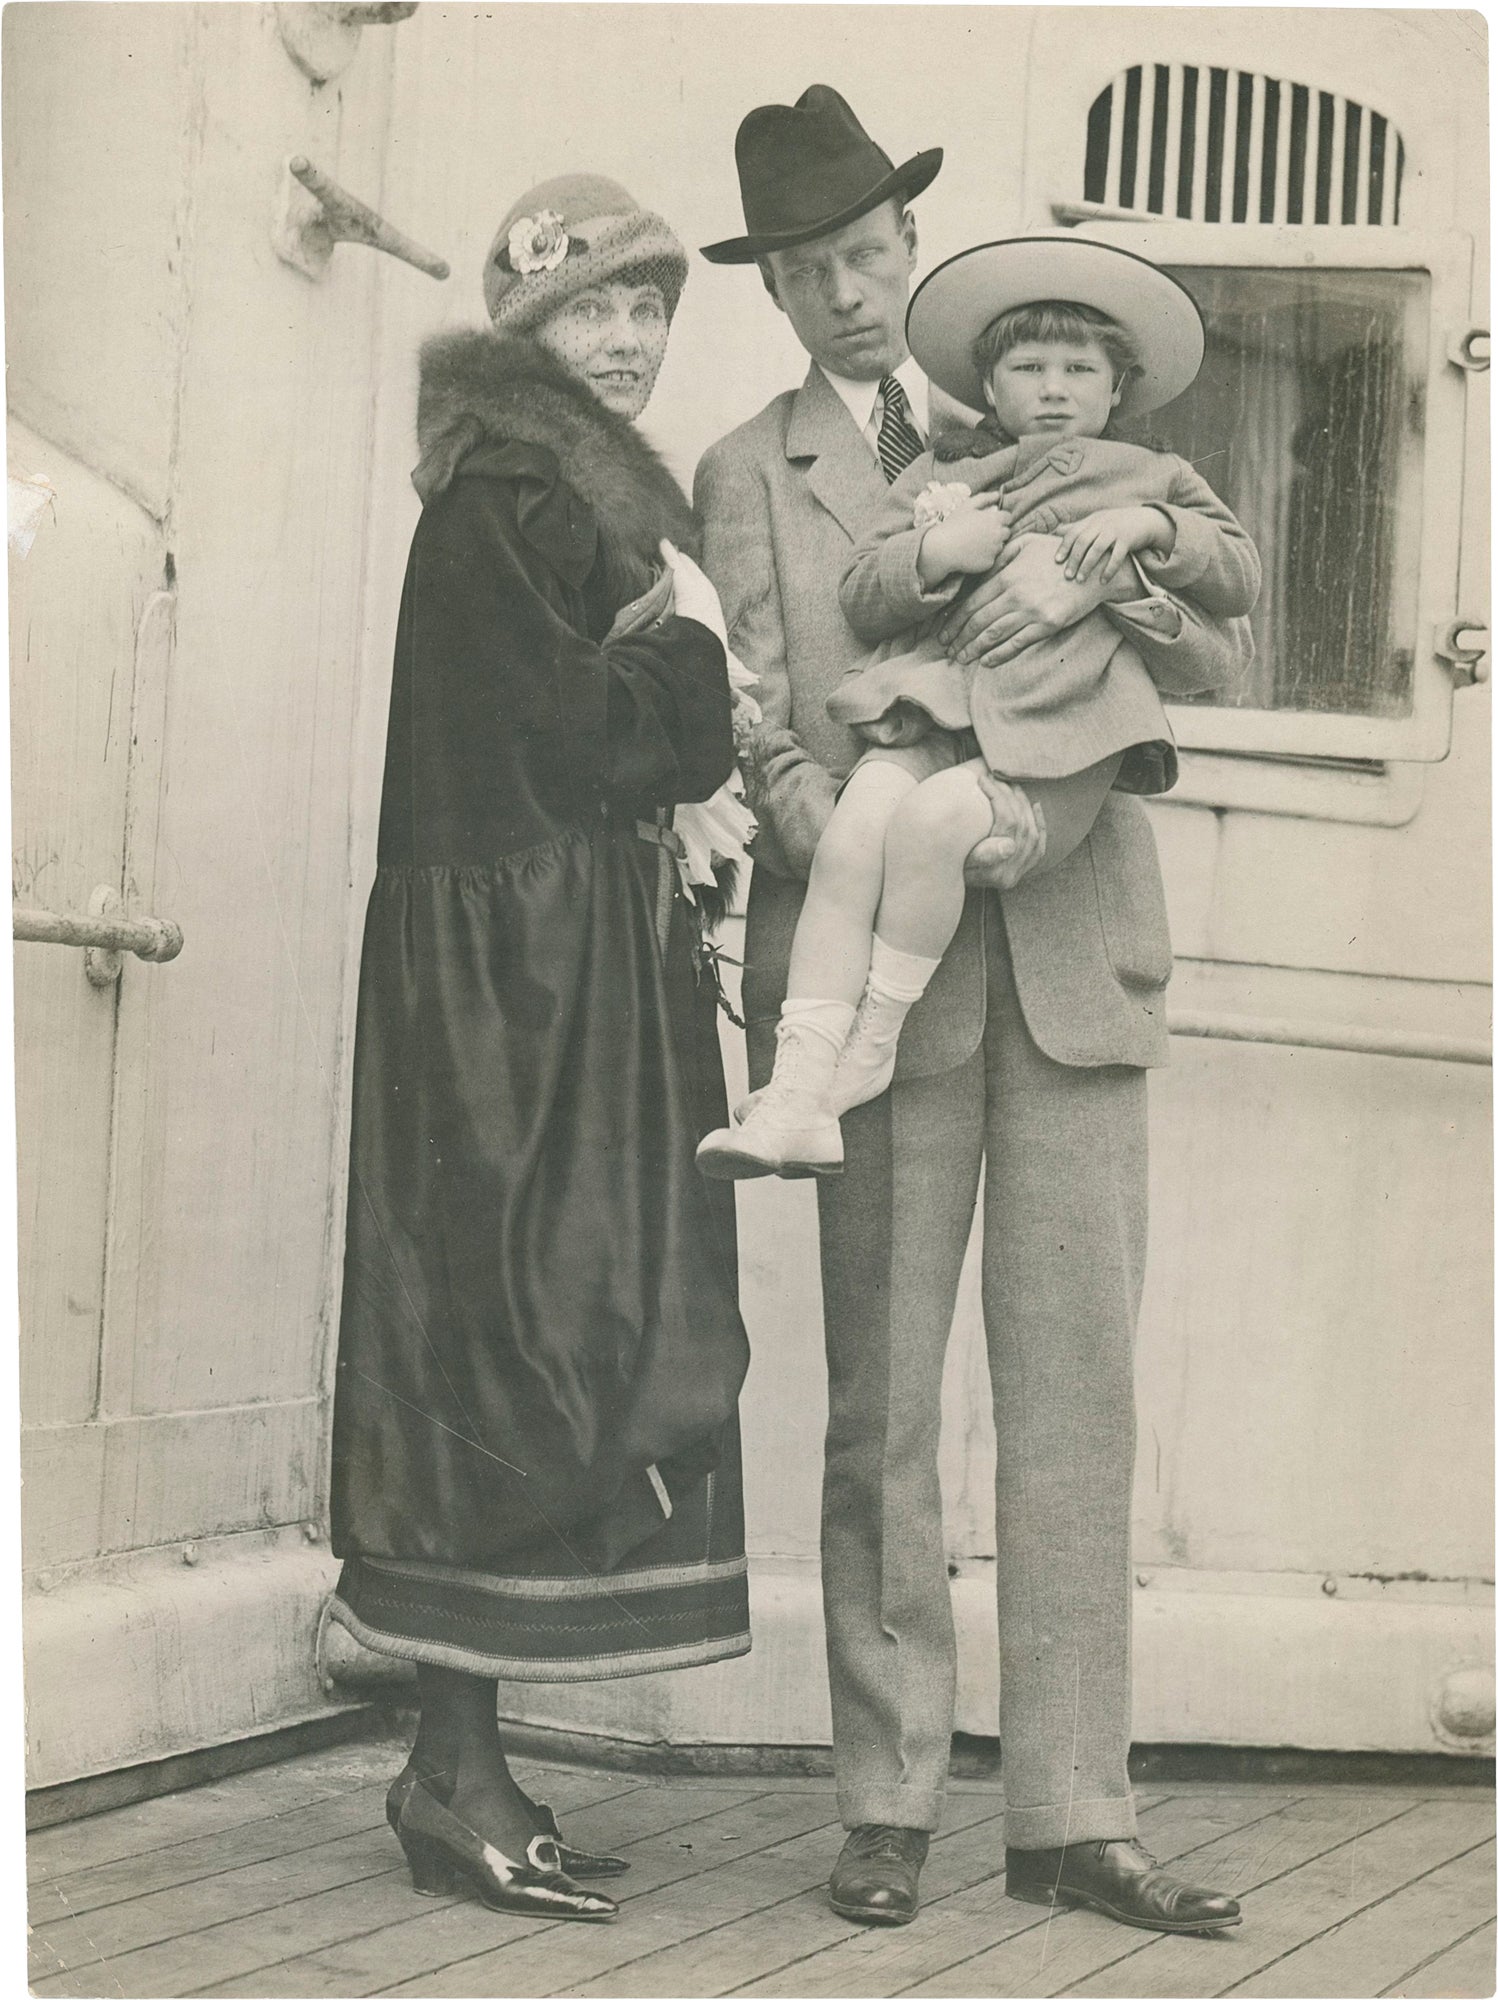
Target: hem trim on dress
point(665, 1576)
point(617, 1666)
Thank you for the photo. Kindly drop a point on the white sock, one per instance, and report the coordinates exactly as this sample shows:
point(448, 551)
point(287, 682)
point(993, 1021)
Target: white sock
point(898, 975)
point(828, 1019)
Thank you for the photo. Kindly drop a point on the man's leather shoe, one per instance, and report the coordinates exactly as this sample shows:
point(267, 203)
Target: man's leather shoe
point(1118, 1878)
point(878, 1873)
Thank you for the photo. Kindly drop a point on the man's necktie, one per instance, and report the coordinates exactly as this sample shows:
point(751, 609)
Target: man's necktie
point(899, 440)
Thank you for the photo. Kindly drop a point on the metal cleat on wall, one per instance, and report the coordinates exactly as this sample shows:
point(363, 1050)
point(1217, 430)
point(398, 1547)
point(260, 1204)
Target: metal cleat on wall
point(1463, 644)
point(315, 214)
point(321, 36)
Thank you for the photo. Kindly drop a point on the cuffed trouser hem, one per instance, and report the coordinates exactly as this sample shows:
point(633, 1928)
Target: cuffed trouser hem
point(1064, 1825)
point(889, 1805)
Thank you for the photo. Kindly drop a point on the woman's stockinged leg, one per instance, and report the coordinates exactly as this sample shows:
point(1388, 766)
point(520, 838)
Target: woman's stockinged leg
point(458, 1737)
point(465, 1816)
point(930, 837)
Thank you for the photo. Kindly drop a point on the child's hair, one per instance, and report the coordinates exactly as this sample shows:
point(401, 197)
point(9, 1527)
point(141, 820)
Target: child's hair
point(1050, 320)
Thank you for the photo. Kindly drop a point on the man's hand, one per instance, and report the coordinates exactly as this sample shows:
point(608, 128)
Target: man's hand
point(1028, 598)
point(1005, 857)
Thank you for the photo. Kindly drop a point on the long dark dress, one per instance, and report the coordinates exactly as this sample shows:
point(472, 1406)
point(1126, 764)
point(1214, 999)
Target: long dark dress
point(535, 1446)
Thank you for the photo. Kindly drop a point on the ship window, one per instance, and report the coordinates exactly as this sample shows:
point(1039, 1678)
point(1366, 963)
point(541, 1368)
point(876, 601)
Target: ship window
point(1307, 419)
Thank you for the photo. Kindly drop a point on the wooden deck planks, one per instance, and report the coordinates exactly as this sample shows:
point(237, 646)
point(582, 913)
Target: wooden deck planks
point(53, 1899)
point(120, 1930)
point(208, 1810)
point(1465, 1971)
point(1431, 1911)
point(417, 1934)
point(779, 1842)
point(286, 1882)
point(953, 1928)
point(1297, 1903)
point(1057, 1957)
point(726, 1950)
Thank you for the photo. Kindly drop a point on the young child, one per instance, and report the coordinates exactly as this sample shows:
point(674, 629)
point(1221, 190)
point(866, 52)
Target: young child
point(1052, 336)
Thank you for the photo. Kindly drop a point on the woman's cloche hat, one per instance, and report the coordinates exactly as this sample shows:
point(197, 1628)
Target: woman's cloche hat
point(568, 234)
point(808, 168)
point(969, 291)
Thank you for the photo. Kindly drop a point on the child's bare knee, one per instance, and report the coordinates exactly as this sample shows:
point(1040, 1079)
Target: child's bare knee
point(855, 833)
point(938, 815)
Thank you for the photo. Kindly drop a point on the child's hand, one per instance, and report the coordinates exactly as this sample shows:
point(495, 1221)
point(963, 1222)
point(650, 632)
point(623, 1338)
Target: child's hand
point(967, 542)
point(1103, 542)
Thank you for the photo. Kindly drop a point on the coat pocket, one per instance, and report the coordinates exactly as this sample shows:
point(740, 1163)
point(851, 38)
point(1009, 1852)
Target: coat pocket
point(1130, 895)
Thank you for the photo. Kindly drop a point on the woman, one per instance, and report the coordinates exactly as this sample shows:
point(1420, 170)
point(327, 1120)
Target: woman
point(535, 1449)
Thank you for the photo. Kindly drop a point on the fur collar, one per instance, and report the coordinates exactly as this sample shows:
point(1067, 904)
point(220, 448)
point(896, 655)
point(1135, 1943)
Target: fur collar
point(481, 389)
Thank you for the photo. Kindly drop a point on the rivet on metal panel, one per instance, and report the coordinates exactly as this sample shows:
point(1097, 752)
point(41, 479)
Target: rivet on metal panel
point(1462, 1710)
point(190, 1554)
point(1141, 1577)
point(1463, 644)
point(311, 1530)
point(321, 36)
point(315, 214)
point(1472, 350)
point(1329, 1585)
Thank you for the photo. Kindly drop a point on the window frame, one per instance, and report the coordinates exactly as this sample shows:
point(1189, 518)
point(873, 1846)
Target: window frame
point(1446, 258)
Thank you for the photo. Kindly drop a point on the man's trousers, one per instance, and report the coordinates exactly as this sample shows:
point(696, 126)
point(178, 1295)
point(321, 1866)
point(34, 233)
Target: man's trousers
point(1064, 1223)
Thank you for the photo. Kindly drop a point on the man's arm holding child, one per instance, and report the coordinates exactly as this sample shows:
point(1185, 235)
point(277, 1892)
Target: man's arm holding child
point(1030, 597)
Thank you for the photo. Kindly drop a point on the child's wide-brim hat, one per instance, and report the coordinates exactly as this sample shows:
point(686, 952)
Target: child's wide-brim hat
point(967, 293)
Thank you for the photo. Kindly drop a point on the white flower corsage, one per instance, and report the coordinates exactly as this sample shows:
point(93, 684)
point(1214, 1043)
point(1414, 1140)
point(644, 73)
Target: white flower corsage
point(538, 242)
point(935, 501)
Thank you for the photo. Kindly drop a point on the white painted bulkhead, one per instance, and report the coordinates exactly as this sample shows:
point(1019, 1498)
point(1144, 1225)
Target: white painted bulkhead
point(1313, 1503)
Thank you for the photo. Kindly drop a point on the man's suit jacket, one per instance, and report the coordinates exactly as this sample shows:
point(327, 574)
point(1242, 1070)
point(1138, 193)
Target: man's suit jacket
point(782, 500)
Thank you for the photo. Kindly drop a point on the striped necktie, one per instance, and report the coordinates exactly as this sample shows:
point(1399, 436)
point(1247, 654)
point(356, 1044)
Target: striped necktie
point(899, 440)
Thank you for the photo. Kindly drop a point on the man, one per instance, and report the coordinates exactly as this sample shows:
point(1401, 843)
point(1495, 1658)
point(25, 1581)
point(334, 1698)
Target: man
point(1027, 1053)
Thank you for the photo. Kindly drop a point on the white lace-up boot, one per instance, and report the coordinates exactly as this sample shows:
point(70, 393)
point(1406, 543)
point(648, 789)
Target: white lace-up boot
point(865, 1067)
point(866, 1064)
point(788, 1129)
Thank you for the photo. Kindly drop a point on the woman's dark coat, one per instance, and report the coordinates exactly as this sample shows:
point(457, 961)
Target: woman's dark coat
point(539, 1297)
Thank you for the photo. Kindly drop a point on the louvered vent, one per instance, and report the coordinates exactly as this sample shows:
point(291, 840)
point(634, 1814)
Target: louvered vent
point(1224, 145)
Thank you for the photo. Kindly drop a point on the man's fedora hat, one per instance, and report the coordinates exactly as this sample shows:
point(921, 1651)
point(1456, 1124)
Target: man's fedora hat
point(808, 168)
point(969, 291)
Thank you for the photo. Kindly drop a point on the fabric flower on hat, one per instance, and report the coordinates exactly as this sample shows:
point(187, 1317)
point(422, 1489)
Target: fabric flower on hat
point(936, 501)
point(538, 242)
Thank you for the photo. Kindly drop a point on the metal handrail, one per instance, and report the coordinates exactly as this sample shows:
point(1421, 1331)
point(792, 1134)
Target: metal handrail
point(156, 938)
point(103, 934)
point(1350, 1040)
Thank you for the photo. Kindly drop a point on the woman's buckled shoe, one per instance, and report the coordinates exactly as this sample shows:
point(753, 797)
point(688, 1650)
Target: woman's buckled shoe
point(441, 1849)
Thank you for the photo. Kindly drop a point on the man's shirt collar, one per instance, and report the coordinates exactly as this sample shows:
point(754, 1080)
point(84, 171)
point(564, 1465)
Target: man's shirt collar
point(862, 398)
